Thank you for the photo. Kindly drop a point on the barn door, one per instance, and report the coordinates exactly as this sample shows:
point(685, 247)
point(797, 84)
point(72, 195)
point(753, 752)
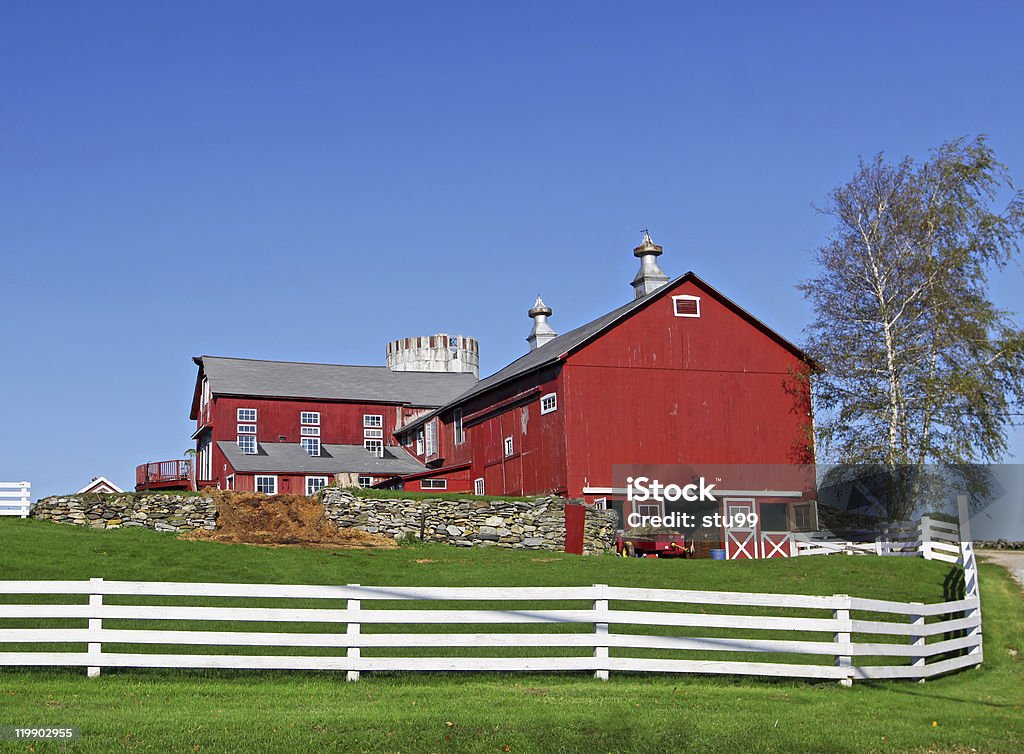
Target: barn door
point(740, 541)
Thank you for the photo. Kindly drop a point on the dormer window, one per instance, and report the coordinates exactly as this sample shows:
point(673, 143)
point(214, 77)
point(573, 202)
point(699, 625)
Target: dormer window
point(686, 306)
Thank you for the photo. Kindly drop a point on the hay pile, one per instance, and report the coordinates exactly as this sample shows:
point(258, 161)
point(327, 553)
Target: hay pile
point(250, 518)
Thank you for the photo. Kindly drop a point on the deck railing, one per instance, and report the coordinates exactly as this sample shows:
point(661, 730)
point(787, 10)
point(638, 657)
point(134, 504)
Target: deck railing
point(161, 473)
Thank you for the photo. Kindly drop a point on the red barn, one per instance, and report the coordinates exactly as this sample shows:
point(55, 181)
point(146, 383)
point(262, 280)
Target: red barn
point(679, 375)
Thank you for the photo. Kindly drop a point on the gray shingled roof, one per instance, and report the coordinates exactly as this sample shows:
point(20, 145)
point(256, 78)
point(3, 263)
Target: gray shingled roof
point(290, 458)
point(287, 379)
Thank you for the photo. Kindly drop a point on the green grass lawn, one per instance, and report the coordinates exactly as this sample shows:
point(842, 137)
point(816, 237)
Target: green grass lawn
point(158, 711)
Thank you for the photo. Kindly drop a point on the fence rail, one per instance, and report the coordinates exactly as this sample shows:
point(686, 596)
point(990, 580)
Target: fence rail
point(15, 499)
point(929, 538)
point(619, 629)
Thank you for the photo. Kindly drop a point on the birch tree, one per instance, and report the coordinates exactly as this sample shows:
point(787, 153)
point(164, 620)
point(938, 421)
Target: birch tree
point(916, 365)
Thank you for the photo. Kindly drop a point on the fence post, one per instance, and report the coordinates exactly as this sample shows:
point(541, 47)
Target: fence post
point(970, 565)
point(917, 640)
point(925, 529)
point(842, 638)
point(353, 630)
point(95, 626)
point(25, 499)
point(601, 632)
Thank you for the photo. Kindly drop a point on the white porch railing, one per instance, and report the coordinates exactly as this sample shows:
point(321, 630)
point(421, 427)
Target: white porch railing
point(15, 498)
point(620, 629)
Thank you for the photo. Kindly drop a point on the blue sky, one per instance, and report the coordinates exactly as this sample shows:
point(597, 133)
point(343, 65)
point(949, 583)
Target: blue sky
point(306, 181)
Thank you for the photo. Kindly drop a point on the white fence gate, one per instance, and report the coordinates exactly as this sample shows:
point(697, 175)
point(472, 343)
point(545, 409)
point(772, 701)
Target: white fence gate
point(15, 498)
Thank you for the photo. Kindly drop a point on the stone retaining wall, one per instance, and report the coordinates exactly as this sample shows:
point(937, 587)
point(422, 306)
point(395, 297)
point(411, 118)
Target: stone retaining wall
point(162, 512)
point(535, 525)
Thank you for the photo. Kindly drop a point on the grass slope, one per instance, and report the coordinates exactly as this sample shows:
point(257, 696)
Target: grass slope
point(163, 711)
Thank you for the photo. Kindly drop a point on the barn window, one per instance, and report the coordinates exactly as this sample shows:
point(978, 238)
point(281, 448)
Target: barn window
point(686, 306)
point(309, 417)
point(266, 484)
point(377, 434)
point(311, 445)
point(433, 484)
point(509, 446)
point(246, 429)
point(803, 517)
point(364, 481)
point(310, 431)
point(373, 420)
point(548, 403)
point(314, 484)
point(247, 444)
point(432, 437)
point(246, 414)
point(460, 435)
point(478, 486)
point(419, 442)
point(376, 447)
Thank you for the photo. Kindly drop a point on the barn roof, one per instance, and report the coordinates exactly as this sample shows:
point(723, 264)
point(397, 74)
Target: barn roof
point(555, 349)
point(290, 458)
point(289, 379)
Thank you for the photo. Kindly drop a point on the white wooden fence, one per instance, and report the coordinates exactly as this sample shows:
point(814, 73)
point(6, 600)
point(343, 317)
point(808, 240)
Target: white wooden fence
point(15, 498)
point(929, 538)
point(617, 629)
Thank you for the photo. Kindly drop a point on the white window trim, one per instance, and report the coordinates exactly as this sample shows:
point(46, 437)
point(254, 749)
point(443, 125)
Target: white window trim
point(309, 431)
point(419, 442)
point(478, 486)
point(373, 434)
point(229, 482)
point(309, 441)
point(675, 308)
point(374, 448)
point(246, 429)
point(255, 445)
point(256, 483)
point(326, 481)
point(238, 415)
point(601, 503)
point(373, 420)
point(315, 417)
point(431, 438)
point(433, 484)
point(364, 480)
point(459, 430)
point(509, 447)
point(553, 398)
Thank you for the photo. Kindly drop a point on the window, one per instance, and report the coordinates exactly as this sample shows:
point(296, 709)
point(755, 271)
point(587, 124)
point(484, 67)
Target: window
point(314, 484)
point(375, 446)
point(686, 306)
point(246, 414)
point(460, 435)
point(433, 484)
point(266, 485)
point(432, 437)
point(803, 517)
point(548, 403)
point(509, 447)
point(601, 503)
point(311, 445)
point(364, 481)
point(373, 420)
point(309, 417)
point(373, 433)
point(247, 444)
point(229, 483)
point(419, 443)
point(310, 431)
point(478, 486)
point(246, 429)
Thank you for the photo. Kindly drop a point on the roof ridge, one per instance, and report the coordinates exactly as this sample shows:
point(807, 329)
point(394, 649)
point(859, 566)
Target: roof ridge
point(302, 363)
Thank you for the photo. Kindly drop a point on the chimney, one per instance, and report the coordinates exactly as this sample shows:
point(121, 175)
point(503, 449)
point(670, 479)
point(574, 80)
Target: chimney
point(541, 332)
point(650, 276)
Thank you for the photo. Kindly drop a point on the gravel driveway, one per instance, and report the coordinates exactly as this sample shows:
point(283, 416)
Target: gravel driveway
point(1011, 560)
